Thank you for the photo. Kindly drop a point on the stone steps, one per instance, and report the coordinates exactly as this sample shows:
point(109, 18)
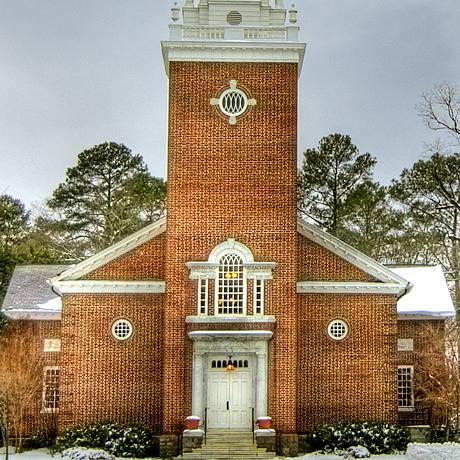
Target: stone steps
point(229, 444)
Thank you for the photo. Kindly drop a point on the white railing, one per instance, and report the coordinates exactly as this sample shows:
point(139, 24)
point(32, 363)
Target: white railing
point(203, 33)
point(245, 33)
point(257, 33)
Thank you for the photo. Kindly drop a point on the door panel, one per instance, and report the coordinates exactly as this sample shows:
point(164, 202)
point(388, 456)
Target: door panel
point(218, 396)
point(233, 387)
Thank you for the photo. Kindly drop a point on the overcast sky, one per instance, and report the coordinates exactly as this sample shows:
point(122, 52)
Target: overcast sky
point(76, 73)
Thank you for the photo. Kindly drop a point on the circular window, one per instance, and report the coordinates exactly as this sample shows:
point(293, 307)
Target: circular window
point(337, 329)
point(122, 329)
point(234, 18)
point(233, 102)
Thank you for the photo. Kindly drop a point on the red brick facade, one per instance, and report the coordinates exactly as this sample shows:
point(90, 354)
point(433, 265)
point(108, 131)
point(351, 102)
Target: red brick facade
point(230, 181)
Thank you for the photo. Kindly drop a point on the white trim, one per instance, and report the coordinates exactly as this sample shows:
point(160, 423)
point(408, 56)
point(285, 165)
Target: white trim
point(231, 335)
point(233, 51)
point(231, 319)
point(230, 246)
point(34, 315)
point(342, 287)
point(112, 252)
point(209, 343)
point(425, 315)
point(351, 255)
point(111, 287)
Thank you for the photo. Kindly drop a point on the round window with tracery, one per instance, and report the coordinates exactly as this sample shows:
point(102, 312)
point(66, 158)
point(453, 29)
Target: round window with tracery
point(233, 102)
point(337, 329)
point(122, 329)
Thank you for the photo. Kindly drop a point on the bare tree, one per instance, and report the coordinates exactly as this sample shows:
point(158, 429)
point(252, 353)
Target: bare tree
point(21, 380)
point(437, 374)
point(440, 109)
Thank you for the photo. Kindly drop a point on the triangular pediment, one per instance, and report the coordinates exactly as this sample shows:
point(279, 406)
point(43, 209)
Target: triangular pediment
point(385, 280)
point(73, 279)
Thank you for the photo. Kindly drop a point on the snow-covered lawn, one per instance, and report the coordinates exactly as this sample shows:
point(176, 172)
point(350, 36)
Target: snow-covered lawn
point(414, 452)
point(42, 454)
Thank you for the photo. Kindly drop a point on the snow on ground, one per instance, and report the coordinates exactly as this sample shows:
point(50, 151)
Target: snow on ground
point(42, 454)
point(414, 452)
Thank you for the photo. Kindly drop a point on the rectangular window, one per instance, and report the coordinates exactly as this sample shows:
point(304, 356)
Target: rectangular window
point(51, 389)
point(203, 297)
point(258, 297)
point(405, 387)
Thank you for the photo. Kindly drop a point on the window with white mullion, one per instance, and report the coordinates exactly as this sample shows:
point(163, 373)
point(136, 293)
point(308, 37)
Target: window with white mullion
point(258, 296)
point(230, 285)
point(405, 387)
point(51, 389)
point(203, 289)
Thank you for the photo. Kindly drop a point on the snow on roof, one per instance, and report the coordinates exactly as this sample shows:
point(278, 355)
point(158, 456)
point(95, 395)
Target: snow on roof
point(51, 305)
point(430, 295)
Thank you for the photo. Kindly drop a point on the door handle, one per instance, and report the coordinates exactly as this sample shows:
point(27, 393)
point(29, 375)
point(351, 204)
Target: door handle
point(228, 405)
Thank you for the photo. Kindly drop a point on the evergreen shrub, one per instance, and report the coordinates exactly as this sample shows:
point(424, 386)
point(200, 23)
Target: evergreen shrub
point(377, 437)
point(120, 440)
point(437, 434)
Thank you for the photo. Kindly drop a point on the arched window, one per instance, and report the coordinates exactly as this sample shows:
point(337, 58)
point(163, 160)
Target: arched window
point(231, 285)
point(229, 267)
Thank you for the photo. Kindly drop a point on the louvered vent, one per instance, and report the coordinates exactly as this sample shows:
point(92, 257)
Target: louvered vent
point(234, 18)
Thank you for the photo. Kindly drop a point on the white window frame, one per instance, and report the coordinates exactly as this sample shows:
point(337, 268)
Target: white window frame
point(332, 326)
point(410, 407)
point(244, 290)
point(204, 271)
point(203, 288)
point(116, 335)
point(259, 302)
point(56, 390)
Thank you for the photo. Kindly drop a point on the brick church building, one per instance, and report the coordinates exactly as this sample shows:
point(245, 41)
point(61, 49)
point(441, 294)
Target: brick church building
point(149, 329)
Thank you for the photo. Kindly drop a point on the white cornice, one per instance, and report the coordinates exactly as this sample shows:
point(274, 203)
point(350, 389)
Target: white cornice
point(231, 319)
point(111, 253)
point(424, 316)
point(230, 335)
point(333, 287)
point(34, 315)
point(233, 51)
point(111, 287)
point(351, 255)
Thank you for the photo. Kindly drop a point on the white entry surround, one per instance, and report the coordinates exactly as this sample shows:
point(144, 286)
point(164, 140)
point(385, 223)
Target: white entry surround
point(210, 344)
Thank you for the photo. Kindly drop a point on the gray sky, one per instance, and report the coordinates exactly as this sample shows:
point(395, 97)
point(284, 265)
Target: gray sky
point(75, 73)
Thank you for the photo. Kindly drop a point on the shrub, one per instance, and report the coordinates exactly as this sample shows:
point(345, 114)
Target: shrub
point(437, 434)
point(377, 437)
point(120, 440)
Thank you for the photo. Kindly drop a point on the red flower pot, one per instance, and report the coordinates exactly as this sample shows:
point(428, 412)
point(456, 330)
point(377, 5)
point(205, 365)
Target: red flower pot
point(264, 422)
point(192, 422)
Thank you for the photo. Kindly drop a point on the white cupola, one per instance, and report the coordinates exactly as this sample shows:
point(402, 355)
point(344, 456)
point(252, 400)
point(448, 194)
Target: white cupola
point(233, 30)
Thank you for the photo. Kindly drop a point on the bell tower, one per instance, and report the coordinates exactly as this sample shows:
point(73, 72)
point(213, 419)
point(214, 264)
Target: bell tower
point(233, 67)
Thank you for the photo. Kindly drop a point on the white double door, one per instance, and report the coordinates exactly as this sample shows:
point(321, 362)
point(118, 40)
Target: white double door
point(229, 398)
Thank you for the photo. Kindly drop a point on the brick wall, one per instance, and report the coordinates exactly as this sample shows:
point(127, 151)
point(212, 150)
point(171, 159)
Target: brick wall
point(146, 262)
point(105, 379)
point(316, 263)
point(353, 378)
point(231, 181)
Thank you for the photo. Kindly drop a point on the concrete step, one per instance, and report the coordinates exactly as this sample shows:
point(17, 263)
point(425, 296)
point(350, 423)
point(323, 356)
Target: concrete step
point(229, 444)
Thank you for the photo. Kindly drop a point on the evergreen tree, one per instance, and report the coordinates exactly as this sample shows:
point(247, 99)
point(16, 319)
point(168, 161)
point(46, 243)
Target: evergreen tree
point(327, 177)
point(106, 196)
point(371, 224)
point(429, 193)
